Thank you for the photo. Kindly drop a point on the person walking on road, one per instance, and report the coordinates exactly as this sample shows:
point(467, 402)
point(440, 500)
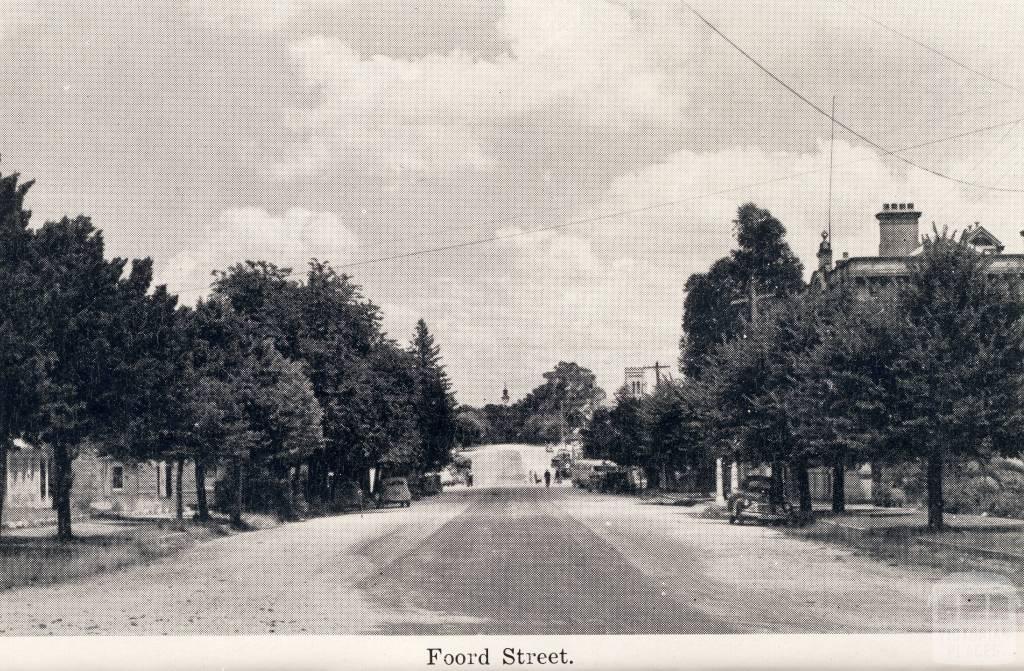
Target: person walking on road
point(547, 478)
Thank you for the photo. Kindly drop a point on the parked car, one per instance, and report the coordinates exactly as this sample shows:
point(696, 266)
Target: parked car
point(395, 491)
point(614, 482)
point(588, 473)
point(430, 484)
point(349, 496)
point(753, 501)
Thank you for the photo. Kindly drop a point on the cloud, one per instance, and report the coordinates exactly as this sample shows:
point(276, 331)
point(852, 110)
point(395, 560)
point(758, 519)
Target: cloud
point(609, 295)
point(585, 64)
point(400, 125)
point(249, 233)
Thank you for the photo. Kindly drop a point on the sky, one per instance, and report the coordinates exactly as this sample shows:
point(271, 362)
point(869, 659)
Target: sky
point(205, 133)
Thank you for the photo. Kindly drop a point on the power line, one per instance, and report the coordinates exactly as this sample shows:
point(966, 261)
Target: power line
point(842, 125)
point(647, 208)
point(992, 152)
point(654, 206)
point(928, 47)
point(1013, 165)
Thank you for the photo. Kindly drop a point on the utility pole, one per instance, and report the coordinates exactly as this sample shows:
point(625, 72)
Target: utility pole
point(753, 296)
point(657, 373)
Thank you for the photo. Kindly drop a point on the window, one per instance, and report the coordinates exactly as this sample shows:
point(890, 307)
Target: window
point(117, 477)
point(168, 480)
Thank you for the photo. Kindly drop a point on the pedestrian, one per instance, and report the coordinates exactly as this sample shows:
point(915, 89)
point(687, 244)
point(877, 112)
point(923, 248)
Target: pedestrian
point(547, 478)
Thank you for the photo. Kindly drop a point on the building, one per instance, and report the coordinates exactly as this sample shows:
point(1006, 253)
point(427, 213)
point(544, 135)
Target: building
point(100, 484)
point(642, 380)
point(899, 240)
point(871, 276)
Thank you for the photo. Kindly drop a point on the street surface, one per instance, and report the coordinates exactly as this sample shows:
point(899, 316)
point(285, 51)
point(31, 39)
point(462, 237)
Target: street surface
point(505, 557)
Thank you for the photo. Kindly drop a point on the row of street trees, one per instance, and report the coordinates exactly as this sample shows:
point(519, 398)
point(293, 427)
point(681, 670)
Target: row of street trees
point(556, 409)
point(929, 372)
point(292, 383)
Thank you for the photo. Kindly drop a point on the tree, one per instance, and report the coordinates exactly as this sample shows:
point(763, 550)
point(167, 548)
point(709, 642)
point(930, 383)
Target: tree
point(262, 293)
point(675, 419)
point(23, 363)
point(79, 305)
point(471, 426)
point(956, 391)
point(569, 396)
point(147, 347)
point(619, 433)
point(436, 416)
point(839, 379)
point(281, 409)
point(710, 315)
point(752, 387)
point(326, 324)
point(599, 435)
point(762, 265)
point(212, 426)
point(628, 444)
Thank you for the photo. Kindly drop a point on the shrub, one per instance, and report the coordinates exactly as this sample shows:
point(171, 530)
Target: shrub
point(887, 496)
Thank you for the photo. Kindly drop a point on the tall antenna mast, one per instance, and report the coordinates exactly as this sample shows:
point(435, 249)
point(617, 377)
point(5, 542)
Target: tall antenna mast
point(831, 149)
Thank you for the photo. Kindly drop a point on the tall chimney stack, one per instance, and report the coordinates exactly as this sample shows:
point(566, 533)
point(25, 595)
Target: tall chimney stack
point(898, 229)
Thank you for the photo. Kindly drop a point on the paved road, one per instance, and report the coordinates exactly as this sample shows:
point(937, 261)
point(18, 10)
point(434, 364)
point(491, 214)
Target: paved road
point(516, 564)
point(515, 559)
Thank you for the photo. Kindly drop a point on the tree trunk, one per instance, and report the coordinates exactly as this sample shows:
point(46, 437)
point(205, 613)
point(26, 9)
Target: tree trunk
point(936, 504)
point(839, 481)
point(202, 507)
point(313, 484)
point(4, 443)
point(298, 498)
point(283, 494)
point(803, 486)
point(62, 479)
point(179, 503)
point(777, 492)
point(236, 508)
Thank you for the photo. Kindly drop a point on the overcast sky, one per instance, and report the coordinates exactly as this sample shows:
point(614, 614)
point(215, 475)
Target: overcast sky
point(202, 134)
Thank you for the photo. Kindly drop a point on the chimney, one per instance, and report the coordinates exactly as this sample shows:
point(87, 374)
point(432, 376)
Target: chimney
point(898, 229)
point(825, 253)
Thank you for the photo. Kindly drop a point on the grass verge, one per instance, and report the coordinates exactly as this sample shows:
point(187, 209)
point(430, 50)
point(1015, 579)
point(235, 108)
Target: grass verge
point(949, 551)
point(102, 546)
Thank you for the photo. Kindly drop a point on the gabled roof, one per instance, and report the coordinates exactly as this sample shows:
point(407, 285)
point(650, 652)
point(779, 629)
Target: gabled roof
point(979, 236)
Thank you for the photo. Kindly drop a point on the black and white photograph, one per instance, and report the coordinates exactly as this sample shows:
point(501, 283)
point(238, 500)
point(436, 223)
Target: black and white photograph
point(455, 334)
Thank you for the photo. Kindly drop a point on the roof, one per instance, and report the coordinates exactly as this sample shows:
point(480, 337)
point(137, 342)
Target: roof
point(979, 236)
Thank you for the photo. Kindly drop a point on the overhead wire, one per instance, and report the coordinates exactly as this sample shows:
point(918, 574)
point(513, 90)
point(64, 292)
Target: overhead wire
point(621, 213)
point(928, 47)
point(989, 154)
point(841, 124)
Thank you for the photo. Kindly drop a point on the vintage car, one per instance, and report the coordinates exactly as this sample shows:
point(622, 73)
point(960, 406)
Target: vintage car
point(349, 496)
point(589, 474)
point(394, 491)
point(430, 484)
point(753, 501)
